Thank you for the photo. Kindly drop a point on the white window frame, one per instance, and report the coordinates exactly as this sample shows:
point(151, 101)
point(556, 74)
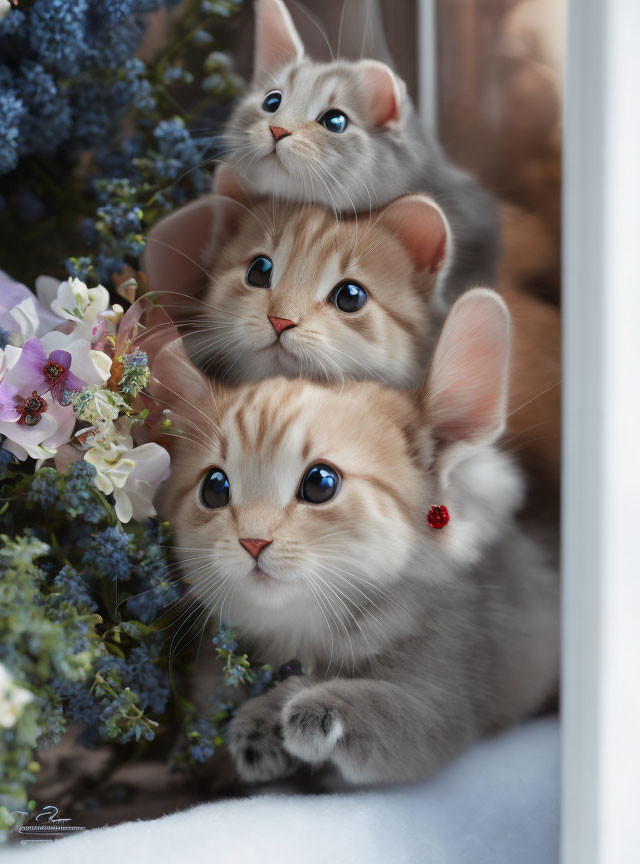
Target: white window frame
point(601, 424)
point(601, 450)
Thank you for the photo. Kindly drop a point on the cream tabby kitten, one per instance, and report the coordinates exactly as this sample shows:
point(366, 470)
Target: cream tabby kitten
point(309, 505)
point(346, 134)
point(263, 289)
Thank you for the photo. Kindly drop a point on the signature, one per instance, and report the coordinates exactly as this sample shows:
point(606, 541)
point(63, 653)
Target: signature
point(44, 822)
point(48, 814)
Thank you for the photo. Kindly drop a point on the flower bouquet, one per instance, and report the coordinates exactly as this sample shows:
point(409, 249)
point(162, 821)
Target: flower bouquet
point(95, 145)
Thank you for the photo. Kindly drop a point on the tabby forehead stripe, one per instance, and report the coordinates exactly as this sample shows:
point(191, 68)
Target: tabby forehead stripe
point(405, 323)
point(389, 490)
point(282, 431)
point(239, 421)
point(318, 234)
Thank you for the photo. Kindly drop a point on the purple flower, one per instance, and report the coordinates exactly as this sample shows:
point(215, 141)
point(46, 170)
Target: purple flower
point(35, 371)
point(32, 424)
point(9, 399)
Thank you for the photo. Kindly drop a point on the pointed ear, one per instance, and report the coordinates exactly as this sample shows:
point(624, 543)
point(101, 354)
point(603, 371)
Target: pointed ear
point(175, 375)
point(384, 91)
point(277, 42)
point(181, 248)
point(465, 392)
point(176, 258)
point(422, 228)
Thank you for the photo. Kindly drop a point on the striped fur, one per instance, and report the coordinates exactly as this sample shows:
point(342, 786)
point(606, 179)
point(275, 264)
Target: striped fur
point(388, 339)
point(416, 641)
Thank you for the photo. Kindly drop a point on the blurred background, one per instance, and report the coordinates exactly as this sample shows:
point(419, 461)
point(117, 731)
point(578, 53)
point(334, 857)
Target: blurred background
point(488, 75)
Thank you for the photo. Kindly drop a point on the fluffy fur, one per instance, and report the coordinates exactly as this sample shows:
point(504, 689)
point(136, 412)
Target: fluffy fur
point(384, 152)
point(417, 641)
point(400, 256)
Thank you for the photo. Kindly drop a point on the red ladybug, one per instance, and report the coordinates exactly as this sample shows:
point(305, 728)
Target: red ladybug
point(438, 516)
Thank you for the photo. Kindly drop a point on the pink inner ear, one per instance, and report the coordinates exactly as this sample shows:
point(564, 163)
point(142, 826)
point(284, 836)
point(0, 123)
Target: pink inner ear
point(384, 92)
point(227, 185)
point(277, 41)
point(421, 227)
point(176, 383)
point(176, 259)
point(467, 383)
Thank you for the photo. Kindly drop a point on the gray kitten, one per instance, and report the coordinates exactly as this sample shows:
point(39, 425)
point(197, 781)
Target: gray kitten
point(314, 509)
point(346, 134)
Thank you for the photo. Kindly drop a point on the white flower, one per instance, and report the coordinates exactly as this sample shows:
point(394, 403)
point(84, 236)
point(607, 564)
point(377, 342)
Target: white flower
point(131, 474)
point(92, 366)
point(5, 6)
point(13, 698)
point(98, 406)
point(27, 322)
point(21, 314)
point(114, 314)
point(47, 289)
point(78, 303)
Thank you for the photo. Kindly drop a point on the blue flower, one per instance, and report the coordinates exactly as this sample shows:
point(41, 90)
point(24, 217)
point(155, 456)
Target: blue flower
point(57, 34)
point(11, 112)
point(79, 496)
point(108, 265)
point(80, 704)
point(13, 24)
point(201, 735)
point(48, 120)
point(44, 489)
point(107, 553)
point(148, 679)
point(263, 680)
point(225, 640)
point(75, 589)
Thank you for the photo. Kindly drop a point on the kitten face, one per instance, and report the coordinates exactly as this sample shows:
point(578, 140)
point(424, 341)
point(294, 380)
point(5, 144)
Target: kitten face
point(306, 132)
point(296, 292)
point(334, 133)
point(265, 443)
point(295, 504)
point(345, 134)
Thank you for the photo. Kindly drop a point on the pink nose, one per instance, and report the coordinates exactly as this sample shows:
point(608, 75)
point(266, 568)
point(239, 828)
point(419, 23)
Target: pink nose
point(254, 547)
point(278, 132)
point(280, 324)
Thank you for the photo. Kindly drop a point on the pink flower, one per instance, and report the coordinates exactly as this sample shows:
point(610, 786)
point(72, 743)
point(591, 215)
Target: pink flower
point(33, 413)
point(32, 422)
point(35, 371)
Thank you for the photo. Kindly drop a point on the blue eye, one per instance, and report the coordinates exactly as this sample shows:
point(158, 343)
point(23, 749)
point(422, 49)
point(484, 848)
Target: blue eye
point(334, 120)
point(319, 484)
point(348, 296)
point(259, 272)
point(215, 489)
point(272, 101)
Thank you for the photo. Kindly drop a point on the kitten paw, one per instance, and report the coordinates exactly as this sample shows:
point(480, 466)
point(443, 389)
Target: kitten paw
point(255, 744)
point(311, 726)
